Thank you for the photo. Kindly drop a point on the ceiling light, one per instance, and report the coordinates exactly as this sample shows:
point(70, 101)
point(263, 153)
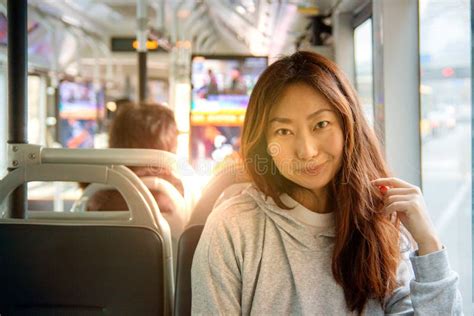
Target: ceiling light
point(112, 106)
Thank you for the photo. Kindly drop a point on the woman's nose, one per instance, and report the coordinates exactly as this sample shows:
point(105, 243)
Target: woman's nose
point(306, 148)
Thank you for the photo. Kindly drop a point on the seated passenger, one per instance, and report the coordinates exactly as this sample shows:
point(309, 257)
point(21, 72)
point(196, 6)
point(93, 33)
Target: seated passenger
point(149, 126)
point(324, 228)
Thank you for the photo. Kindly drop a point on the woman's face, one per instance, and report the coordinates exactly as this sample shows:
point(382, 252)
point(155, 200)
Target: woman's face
point(305, 138)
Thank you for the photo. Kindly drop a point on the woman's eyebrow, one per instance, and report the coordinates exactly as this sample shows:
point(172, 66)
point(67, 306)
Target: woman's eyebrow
point(309, 117)
point(280, 120)
point(314, 114)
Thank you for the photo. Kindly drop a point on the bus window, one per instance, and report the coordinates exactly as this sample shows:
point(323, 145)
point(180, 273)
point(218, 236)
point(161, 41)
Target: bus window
point(49, 196)
point(363, 68)
point(446, 128)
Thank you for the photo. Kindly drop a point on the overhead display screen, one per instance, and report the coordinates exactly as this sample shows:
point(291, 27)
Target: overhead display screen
point(221, 88)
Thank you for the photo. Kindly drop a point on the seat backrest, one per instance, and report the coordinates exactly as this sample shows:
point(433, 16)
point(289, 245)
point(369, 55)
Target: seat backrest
point(81, 270)
point(181, 211)
point(82, 264)
point(233, 173)
point(186, 248)
point(177, 218)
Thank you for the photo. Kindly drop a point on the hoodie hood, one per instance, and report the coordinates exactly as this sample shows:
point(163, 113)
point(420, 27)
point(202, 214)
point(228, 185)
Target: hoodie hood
point(294, 229)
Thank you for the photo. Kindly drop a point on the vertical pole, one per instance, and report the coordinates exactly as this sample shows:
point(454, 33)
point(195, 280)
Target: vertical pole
point(142, 37)
point(57, 127)
point(142, 76)
point(17, 85)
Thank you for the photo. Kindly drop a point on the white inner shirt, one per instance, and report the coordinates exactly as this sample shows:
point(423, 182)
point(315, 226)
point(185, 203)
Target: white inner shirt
point(315, 222)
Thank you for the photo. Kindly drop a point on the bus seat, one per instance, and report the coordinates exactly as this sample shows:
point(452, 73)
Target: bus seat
point(131, 157)
point(228, 182)
point(177, 218)
point(59, 269)
point(186, 248)
point(70, 264)
point(89, 216)
point(162, 185)
point(230, 191)
point(233, 173)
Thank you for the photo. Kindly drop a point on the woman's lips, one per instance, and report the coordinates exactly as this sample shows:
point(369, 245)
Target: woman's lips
point(312, 170)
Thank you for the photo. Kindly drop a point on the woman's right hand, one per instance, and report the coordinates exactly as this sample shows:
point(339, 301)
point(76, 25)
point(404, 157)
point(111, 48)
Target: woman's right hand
point(407, 201)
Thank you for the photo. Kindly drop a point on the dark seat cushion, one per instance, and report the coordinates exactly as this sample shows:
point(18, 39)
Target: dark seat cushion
point(83, 270)
point(186, 247)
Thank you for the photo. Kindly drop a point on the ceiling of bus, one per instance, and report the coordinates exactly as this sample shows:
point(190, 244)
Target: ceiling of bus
point(243, 26)
point(78, 32)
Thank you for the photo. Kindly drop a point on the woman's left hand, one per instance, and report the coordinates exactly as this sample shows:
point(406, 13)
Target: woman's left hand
point(407, 201)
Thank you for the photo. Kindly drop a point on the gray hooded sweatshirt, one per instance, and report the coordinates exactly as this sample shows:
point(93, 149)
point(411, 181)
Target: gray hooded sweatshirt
point(256, 258)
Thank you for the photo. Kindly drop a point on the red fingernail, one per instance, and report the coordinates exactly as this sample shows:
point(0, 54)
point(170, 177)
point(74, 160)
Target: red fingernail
point(383, 189)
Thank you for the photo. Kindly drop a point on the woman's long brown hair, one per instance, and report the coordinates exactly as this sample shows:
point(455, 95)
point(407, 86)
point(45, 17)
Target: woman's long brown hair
point(367, 250)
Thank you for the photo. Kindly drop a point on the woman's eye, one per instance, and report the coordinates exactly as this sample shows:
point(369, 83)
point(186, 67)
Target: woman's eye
point(321, 124)
point(283, 132)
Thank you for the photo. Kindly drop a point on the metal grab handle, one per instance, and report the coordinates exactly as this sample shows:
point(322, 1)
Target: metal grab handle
point(140, 210)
